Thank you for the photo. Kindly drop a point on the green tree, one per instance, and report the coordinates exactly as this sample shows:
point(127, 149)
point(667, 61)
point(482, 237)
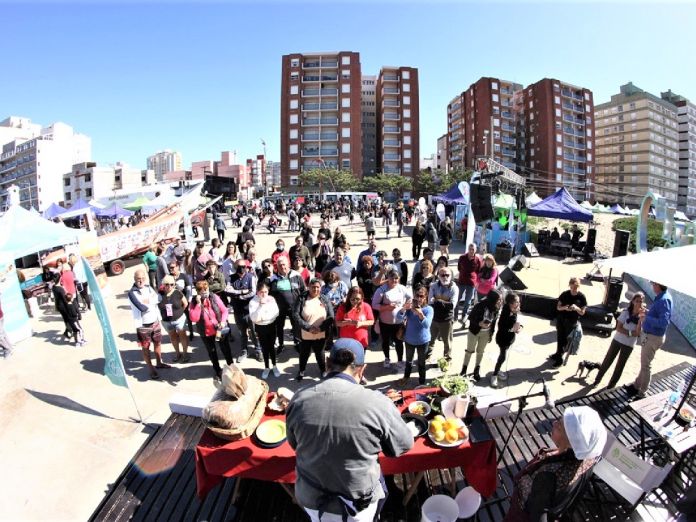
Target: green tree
point(386, 183)
point(345, 181)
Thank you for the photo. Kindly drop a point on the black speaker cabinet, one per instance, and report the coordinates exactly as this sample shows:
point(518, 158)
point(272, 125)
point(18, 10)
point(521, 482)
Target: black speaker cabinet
point(503, 255)
point(591, 239)
point(481, 207)
point(509, 278)
point(540, 305)
point(530, 250)
point(621, 242)
point(517, 263)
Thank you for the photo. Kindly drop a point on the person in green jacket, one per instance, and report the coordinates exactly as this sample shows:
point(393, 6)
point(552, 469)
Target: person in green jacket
point(150, 262)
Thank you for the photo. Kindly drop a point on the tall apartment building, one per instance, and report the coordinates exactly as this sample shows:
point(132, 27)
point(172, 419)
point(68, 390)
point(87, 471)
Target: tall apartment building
point(686, 116)
point(273, 173)
point(637, 147)
point(368, 104)
point(87, 180)
point(398, 142)
point(442, 163)
point(320, 113)
point(164, 161)
point(482, 122)
point(256, 167)
point(36, 161)
point(559, 138)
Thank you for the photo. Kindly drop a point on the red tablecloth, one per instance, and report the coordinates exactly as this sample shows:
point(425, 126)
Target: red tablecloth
point(216, 459)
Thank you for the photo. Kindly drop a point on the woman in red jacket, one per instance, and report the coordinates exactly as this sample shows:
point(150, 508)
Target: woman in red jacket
point(210, 313)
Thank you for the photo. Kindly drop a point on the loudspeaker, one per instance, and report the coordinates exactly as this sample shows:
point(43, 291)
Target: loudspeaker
point(530, 250)
point(621, 242)
point(509, 278)
point(612, 295)
point(517, 263)
point(591, 239)
point(540, 305)
point(481, 207)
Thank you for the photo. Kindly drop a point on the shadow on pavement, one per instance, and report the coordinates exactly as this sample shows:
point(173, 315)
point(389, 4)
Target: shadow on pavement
point(64, 402)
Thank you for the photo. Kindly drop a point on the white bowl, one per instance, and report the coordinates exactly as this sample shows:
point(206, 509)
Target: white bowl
point(425, 406)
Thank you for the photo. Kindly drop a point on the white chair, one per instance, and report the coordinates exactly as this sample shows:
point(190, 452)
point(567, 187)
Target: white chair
point(469, 502)
point(628, 474)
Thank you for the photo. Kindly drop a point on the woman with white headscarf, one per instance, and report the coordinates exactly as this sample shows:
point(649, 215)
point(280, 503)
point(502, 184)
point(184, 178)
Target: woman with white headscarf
point(550, 478)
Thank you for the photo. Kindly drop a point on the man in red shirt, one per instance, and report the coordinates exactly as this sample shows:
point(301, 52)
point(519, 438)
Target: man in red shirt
point(468, 266)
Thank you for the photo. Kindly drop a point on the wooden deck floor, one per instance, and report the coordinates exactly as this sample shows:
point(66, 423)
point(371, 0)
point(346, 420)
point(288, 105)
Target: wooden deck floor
point(160, 483)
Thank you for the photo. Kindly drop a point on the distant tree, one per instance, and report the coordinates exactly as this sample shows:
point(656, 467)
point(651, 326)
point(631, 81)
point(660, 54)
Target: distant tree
point(386, 183)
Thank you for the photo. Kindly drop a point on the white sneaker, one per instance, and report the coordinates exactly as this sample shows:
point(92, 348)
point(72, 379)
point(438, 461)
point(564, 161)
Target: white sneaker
point(264, 374)
point(386, 364)
point(276, 371)
point(502, 376)
point(494, 381)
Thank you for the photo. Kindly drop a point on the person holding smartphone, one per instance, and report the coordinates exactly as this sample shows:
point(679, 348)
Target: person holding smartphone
point(571, 305)
point(481, 329)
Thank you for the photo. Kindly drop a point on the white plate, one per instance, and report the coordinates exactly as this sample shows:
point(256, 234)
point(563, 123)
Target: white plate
point(444, 444)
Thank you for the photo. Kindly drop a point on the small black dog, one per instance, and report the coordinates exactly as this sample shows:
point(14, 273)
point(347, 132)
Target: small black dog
point(586, 365)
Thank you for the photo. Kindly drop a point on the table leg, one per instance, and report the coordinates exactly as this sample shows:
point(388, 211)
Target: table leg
point(235, 491)
point(414, 485)
point(453, 481)
point(290, 490)
point(642, 436)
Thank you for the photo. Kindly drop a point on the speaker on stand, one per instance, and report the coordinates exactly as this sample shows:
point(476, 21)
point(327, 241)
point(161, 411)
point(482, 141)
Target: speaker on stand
point(621, 241)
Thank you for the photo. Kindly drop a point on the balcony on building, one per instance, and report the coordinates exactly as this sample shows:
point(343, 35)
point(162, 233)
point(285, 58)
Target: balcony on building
point(390, 90)
point(507, 139)
point(570, 94)
point(573, 119)
point(573, 107)
point(506, 114)
point(391, 143)
point(391, 103)
point(323, 136)
point(325, 106)
point(508, 127)
point(391, 129)
point(574, 144)
point(510, 165)
point(313, 64)
point(391, 156)
point(391, 170)
point(390, 77)
point(508, 152)
point(391, 116)
point(311, 78)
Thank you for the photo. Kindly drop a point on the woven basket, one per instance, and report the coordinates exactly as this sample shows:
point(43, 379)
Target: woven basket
point(244, 431)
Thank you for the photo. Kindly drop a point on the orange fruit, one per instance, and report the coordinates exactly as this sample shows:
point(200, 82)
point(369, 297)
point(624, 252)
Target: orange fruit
point(452, 435)
point(435, 425)
point(450, 424)
point(439, 435)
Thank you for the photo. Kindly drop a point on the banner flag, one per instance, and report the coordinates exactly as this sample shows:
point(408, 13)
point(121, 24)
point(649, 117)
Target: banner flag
point(113, 364)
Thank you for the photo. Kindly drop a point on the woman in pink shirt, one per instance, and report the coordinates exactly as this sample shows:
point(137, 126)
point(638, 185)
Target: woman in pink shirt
point(208, 310)
point(487, 276)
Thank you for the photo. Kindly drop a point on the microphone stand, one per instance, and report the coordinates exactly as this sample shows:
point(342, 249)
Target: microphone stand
point(521, 405)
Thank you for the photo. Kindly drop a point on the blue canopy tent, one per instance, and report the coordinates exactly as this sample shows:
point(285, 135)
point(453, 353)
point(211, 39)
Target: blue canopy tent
point(77, 209)
point(54, 210)
point(453, 196)
point(113, 211)
point(560, 205)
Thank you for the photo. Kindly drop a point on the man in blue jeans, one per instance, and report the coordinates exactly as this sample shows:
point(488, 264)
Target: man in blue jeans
point(655, 323)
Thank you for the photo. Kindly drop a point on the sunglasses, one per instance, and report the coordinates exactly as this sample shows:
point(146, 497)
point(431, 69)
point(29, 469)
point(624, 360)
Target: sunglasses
point(445, 275)
point(168, 284)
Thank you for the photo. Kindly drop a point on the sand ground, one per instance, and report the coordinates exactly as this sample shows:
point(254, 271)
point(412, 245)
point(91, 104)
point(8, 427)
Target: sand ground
point(68, 432)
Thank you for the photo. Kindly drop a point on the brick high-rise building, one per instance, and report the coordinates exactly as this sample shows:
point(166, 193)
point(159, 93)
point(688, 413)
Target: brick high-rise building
point(368, 103)
point(559, 138)
point(320, 113)
point(686, 115)
point(481, 121)
point(398, 143)
point(637, 147)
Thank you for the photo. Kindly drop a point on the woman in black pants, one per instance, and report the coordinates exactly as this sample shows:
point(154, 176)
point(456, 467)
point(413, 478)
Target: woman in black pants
point(314, 314)
point(417, 238)
point(263, 311)
point(508, 326)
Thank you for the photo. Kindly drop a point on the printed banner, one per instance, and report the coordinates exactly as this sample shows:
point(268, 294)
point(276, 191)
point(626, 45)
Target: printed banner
point(113, 364)
point(135, 239)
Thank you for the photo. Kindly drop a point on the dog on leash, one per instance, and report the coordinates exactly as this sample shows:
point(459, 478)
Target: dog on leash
point(586, 365)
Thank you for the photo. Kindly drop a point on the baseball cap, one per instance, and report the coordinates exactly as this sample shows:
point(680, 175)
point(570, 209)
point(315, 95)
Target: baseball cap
point(344, 343)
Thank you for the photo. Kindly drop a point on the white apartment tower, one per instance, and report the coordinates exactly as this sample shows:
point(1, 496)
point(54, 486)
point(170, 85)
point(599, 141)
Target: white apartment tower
point(686, 116)
point(164, 161)
point(35, 160)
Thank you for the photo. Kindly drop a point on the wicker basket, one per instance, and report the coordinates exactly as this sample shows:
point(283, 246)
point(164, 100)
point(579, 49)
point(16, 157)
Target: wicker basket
point(244, 431)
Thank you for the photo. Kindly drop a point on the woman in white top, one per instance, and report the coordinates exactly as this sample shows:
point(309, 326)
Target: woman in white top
point(263, 311)
point(628, 327)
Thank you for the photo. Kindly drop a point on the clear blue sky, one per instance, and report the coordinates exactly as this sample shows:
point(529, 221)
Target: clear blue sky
point(200, 79)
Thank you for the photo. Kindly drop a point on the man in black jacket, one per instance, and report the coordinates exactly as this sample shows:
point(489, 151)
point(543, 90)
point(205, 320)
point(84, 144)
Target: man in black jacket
point(286, 287)
point(443, 296)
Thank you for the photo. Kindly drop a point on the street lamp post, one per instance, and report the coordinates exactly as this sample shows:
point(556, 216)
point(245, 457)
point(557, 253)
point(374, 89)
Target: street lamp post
point(485, 142)
point(264, 174)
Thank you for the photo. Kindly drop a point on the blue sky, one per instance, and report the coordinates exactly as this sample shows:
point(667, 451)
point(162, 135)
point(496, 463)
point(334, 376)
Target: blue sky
point(202, 78)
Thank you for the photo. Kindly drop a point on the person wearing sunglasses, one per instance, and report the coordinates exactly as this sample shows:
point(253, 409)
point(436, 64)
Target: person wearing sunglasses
point(172, 307)
point(418, 316)
point(443, 297)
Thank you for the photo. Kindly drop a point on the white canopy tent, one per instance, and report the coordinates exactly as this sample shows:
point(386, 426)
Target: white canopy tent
point(668, 267)
point(532, 199)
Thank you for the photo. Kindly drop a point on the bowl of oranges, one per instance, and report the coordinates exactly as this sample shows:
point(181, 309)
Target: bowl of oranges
point(447, 433)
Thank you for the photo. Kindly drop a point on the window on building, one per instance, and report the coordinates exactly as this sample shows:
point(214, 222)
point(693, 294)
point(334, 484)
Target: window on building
point(406, 75)
point(531, 152)
point(345, 164)
point(293, 164)
point(558, 113)
point(559, 138)
point(294, 89)
point(407, 100)
point(294, 104)
point(406, 87)
point(293, 148)
point(66, 182)
point(345, 132)
point(345, 74)
point(345, 117)
point(407, 153)
point(88, 192)
point(557, 100)
point(293, 119)
point(294, 76)
point(495, 98)
point(531, 116)
point(407, 113)
point(345, 102)
point(559, 151)
point(67, 196)
point(345, 88)
point(589, 145)
point(345, 148)
point(345, 60)
point(559, 164)
point(293, 134)
point(295, 62)
point(496, 122)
